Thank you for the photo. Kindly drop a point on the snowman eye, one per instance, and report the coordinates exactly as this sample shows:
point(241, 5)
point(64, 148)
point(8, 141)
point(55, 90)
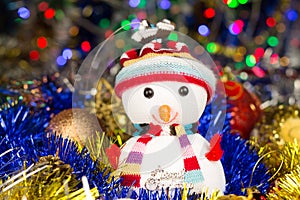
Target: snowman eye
point(148, 93)
point(183, 91)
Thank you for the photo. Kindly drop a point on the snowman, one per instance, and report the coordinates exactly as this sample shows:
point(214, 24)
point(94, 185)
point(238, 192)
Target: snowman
point(164, 86)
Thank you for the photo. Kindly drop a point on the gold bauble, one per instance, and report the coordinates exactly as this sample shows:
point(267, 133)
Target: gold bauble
point(75, 123)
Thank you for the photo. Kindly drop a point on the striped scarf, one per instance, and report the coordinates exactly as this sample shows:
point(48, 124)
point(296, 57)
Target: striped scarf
point(131, 171)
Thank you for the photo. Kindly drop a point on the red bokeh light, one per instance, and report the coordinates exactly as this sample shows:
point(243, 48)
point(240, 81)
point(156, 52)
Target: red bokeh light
point(42, 42)
point(43, 6)
point(86, 46)
point(49, 13)
point(34, 55)
point(271, 22)
point(209, 13)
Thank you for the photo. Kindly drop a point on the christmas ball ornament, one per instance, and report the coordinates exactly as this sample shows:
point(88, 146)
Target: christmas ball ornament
point(244, 108)
point(76, 123)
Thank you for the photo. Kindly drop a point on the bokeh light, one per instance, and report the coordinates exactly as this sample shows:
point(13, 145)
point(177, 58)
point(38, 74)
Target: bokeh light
point(260, 73)
point(270, 21)
point(34, 55)
point(259, 53)
point(236, 27)
point(60, 60)
point(165, 4)
point(67, 53)
point(59, 14)
point(104, 23)
point(272, 41)
point(42, 42)
point(211, 47)
point(85, 46)
point(24, 13)
point(43, 6)
point(125, 24)
point(250, 60)
point(49, 13)
point(243, 1)
point(274, 59)
point(134, 3)
point(203, 30)
point(292, 14)
point(232, 3)
point(209, 13)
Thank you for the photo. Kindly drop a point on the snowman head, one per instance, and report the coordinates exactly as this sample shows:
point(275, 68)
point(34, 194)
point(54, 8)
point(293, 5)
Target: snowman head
point(163, 84)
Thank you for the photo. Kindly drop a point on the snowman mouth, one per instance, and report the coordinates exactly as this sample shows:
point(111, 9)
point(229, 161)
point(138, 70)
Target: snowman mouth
point(162, 122)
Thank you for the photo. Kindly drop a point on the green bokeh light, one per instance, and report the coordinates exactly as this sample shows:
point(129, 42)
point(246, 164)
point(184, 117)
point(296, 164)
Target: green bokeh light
point(142, 4)
point(233, 3)
point(59, 14)
point(104, 23)
point(126, 24)
point(272, 41)
point(239, 66)
point(250, 61)
point(211, 47)
point(243, 1)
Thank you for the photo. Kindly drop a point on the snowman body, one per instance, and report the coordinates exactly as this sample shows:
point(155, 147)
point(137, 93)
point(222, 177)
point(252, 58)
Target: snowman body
point(162, 165)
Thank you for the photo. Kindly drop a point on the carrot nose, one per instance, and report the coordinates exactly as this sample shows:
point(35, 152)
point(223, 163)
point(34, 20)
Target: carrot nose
point(165, 113)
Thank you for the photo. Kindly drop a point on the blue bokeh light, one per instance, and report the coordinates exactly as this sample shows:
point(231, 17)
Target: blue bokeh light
point(292, 15)
point(203, 30)
point(60, 60)
point(67, 54)
point(134, 3)
point(165, 4)
point(24, 13)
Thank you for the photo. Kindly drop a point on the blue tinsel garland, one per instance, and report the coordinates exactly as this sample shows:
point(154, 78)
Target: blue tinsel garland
point(239, 158)
point(23, 132)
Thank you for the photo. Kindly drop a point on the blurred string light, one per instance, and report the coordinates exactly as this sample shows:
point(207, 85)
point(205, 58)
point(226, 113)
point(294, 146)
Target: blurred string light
point(272, 41)
point(165, 4)
point(211, 47)
point(250, 60)
point(203, 30)
point(34, 55)
point(43, 6)
point(135, 23)
point(270, 21)
point(209, 13)
point(125, 24)
point(42, 42)
point(86, 46)
point(61, 61)
point(49, 13)
point(24, 13)
point(236, 27)
point(67, 53)
point(260, 73)
point(104, 23)
point(134, 3)
point(232, 3)
point(292, 14)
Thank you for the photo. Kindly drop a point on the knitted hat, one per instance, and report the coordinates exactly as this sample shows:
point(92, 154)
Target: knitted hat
point(157, 61)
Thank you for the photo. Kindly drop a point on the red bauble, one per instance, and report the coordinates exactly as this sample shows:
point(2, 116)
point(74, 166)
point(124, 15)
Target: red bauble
point(244, 108)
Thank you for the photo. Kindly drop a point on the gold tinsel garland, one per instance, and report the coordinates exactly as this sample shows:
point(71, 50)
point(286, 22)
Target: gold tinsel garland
point(277, 141)
point(288, 187)
point(50, 178)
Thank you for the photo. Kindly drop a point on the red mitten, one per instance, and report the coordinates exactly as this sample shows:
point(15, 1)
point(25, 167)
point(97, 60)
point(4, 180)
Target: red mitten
point(215, 153)
point(113, 153)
